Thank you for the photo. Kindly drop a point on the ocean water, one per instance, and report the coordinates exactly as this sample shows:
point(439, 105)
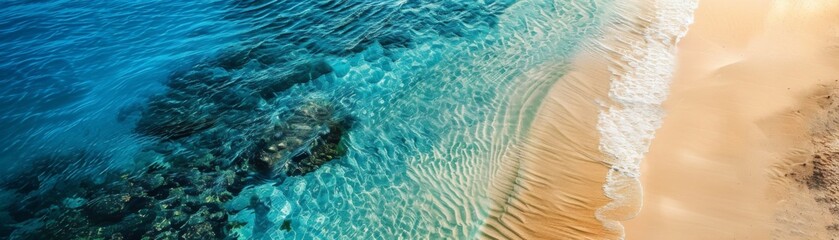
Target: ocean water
point(260, 119)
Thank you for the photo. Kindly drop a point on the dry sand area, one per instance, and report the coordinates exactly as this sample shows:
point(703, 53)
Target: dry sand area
point(748, 147)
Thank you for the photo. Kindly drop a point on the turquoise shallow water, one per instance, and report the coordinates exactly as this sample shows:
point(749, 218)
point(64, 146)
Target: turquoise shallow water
point(270, 119)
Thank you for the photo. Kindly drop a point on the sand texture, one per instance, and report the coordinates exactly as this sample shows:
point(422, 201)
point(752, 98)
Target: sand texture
point(744, 119)
point(560, 170)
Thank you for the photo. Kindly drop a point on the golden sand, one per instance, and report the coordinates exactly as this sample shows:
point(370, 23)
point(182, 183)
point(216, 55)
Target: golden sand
point(560, 170)
point(738, 124)
point(559, 177)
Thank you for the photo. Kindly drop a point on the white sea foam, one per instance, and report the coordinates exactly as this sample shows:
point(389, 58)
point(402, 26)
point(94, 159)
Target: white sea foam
point(639, 84)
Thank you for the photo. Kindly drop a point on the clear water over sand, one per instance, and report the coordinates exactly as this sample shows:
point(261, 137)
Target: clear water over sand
point(272, 119)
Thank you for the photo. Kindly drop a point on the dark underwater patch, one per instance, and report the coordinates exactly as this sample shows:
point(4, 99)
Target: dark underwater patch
point(308, 139)
point(302, 73)
point(229, 123)
point(180, 191)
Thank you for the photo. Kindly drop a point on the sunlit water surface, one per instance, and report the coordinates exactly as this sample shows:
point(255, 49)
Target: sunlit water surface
point(429, 95)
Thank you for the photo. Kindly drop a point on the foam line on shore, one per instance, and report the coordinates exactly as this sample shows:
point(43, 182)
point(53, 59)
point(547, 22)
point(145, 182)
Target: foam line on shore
point(561, 170)
point(639, 84)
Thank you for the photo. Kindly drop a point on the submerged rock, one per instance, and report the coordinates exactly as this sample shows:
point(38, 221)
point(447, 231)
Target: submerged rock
point(235, 84)
point(108, 208)
point(215, 131)
point(286, 226)
point(200, 231)
point(168, 117)
point(179, 186)
point(308, 139)
point(327, 147)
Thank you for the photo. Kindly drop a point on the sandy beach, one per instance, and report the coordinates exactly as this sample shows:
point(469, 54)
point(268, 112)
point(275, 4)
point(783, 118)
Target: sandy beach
point(558, 190)
point(734, 154)
point(404, 119)
point(559, 179)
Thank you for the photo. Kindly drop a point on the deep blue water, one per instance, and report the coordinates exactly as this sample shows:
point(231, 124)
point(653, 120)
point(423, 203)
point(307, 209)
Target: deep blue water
point(291, 119)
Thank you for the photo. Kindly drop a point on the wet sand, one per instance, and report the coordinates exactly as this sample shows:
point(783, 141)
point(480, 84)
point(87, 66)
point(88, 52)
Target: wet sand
point(559, 177)
point(735, 149)
point(558, 172)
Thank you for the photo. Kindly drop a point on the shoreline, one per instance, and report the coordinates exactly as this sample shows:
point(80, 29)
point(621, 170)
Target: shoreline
point(564, 162)
point(558, 186)
point(738, 125)
point(639, 83)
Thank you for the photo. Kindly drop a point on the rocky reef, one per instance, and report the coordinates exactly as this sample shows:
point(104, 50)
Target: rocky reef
point(252, 116)
point(298, 146)
point(180, 195)
point(214, 135)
